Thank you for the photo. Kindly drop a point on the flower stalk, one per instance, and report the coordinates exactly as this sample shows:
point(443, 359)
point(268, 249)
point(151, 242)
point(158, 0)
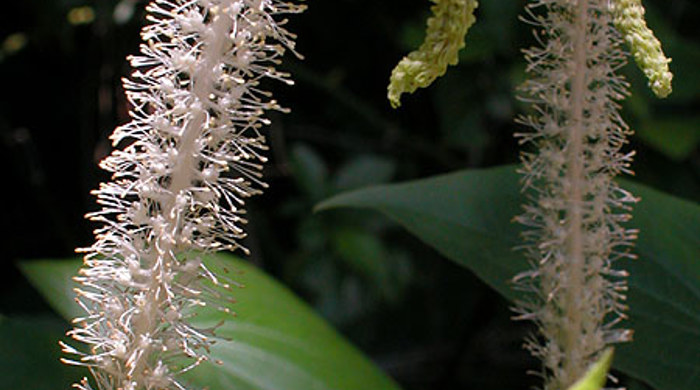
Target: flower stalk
point(576, 212)
point(190, 157)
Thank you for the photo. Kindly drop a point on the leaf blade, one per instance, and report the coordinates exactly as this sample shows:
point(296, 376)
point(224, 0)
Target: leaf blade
point(278, 341)
point(467, 217)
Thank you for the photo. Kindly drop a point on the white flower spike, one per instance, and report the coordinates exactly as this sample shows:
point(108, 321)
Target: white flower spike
point(576, 212)
point(190, 156)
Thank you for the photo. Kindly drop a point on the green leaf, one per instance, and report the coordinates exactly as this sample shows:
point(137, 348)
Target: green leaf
point(455, 214)
point(278, 342)
point(30, 354)
point(467, 217)
point(597, 374)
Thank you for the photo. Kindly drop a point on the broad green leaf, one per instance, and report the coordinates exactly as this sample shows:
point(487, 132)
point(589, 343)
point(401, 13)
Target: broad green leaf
point(277, 341)
point(597, 374)
point(467, 217)
point(30, 353)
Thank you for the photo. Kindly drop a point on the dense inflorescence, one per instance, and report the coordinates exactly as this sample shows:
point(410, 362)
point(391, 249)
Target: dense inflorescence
point(189, 157)
point(628, 16)
point(575, 215)
point(444, 38)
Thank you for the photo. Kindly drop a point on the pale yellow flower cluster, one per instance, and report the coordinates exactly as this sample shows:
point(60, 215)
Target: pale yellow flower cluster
point(628, 16)
point(444, 39)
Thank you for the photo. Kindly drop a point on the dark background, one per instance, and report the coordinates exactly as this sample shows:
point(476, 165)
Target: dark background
point(430, 324)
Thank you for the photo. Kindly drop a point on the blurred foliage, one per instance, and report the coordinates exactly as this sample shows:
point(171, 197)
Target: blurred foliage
point(429, 323)
point(455, 214)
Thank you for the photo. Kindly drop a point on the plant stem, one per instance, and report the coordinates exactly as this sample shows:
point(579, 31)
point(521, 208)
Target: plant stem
point(576, 179)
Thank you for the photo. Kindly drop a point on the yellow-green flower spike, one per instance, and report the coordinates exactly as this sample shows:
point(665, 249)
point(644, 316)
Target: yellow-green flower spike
point(629, 20)
point(444, 38)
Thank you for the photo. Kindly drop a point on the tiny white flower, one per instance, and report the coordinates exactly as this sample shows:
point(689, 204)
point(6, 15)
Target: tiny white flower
point(188, 159)
point(575, 210)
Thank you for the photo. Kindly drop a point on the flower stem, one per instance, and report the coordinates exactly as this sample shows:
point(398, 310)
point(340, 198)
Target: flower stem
point(576, 178)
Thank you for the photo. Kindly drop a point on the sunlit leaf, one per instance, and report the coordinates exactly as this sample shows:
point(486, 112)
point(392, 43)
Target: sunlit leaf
point(277, 341)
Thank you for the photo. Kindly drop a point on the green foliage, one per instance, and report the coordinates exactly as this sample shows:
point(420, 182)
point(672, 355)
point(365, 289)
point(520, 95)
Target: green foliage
point(677, 138)
point(467, 217)
point(346, 267)
point(277, 342)
point(445, 330)
point(30, 353)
